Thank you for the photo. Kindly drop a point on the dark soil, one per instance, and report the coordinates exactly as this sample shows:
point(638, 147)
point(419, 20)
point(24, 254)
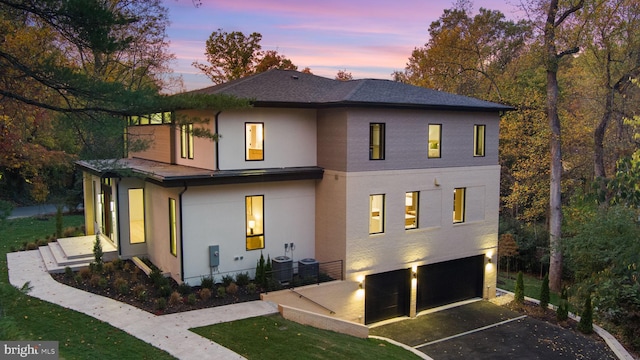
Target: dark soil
point(136, 282)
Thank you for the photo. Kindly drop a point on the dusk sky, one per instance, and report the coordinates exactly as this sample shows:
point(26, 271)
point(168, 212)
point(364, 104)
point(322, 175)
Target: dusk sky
point(368, 38)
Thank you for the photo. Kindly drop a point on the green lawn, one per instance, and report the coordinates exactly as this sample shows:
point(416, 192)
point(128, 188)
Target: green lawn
point(26, 318)
point(273, 337)
point(532, 285)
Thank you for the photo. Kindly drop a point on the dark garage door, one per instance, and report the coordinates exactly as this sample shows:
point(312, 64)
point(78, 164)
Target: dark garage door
point(449, 281)
point(387, 295)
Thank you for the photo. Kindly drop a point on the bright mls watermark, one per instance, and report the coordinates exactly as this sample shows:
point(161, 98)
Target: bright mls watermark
point(41, 350)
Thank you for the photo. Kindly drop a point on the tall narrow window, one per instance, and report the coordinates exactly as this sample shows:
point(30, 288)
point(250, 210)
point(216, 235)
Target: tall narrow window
point(173, 228)
point(254, 206)
point(186, 141)
point(478, 139)
point(254, 141)
point(411, 210)
point(376, 214)
point(376, 141)
point(435, 133)
point(458, 205)
point(136, 216)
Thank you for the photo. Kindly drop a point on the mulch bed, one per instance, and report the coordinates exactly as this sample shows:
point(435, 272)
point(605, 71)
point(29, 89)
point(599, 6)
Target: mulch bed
point(137, 281)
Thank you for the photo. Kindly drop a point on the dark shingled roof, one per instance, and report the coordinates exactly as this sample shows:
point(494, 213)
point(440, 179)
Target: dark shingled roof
point(290, 88)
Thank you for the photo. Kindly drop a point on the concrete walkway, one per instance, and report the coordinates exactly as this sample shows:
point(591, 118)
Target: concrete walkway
point(167, 332)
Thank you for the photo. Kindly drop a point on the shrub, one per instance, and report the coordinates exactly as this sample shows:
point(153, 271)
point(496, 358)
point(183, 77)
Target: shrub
point(85, 273)
point(226, 280)
point(165, 290)
point(544, 293)
point(42, 242)
point(251, 288)
point(161, 303)
point(97, 253)
point(175, 298)
point(126, 267)
point(77, 278)
point(232, 289)
point(108, 268)
point(242, 279)
point(205, 294)
point(562, 314)
point(260, 279)
point(118, 264)
point(68, 273)
point(221, 292)
point(207, 282)
point(158, 279)
point(184, 289)
point(95, 279)
point(32, 246)
point(519, 291)
point(586, 319)
point(191, 299)
point(121, 286)
point(140, 292)
point(103, 283)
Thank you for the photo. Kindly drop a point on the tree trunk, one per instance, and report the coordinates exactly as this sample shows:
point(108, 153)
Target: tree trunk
point(555, 200)
point(598, 137)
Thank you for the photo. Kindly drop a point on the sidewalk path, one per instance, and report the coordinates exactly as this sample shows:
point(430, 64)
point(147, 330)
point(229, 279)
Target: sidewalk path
point(167, 332)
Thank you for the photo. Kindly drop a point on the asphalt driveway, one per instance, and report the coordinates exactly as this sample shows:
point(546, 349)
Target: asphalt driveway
point(483, 330)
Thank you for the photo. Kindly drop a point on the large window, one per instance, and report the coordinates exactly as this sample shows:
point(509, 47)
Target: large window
point(254, 206)
point(478, 139)
point(136, 216)
point(186, 141)
point(458, 205)
point(435, 133)
point(376, 214)
point(411, 210)
point(173, 228)
point(150, 119)
point(254, 141)
point(376, 141)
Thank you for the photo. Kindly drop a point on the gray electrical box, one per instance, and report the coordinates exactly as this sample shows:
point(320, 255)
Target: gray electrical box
point(214, 255)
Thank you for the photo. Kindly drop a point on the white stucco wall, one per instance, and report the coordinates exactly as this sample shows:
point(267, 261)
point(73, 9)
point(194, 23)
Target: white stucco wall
point(215, 215)
point(437, 238)
point(289, 138)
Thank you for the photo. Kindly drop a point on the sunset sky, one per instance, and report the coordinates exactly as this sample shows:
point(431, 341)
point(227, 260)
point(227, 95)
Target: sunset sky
point(368, 38)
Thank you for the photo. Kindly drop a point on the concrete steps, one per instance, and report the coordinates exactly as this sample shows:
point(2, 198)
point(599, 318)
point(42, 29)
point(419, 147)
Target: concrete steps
point(75, 253)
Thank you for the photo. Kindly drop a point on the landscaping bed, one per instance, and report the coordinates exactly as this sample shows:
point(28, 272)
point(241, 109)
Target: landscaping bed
point(123, 281)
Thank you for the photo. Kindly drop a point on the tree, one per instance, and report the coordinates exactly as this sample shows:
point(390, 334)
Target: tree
point(507, 247)
point(519, 290)
point(585, 324)
point(544, 292)
point(562, 313)
point(234, 55)
point(343, 75)
point(555, 18)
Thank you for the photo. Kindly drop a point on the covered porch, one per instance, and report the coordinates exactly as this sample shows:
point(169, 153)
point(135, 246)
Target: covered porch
point(75, 252)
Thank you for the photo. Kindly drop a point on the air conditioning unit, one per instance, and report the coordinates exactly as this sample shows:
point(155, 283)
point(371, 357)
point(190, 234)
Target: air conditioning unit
point(282, 267)
point(308, 269)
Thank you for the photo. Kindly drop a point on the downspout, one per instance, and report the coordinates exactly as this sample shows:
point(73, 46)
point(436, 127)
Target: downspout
point(218, 138)
point(181, 234)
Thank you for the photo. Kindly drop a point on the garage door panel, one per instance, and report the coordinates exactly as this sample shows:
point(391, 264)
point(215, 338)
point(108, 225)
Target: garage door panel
point(450, 281)
point(387, 295)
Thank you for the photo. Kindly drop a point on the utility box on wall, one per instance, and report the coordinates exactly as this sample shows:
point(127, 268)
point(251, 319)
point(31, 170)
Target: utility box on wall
point(214, 255)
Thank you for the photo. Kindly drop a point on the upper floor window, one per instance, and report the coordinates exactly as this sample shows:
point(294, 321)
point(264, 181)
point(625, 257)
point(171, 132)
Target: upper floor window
point(186, 141)
point(458, 205)
point(435, 133)
point(254, 141)
point(478, 139)
point(150, 119)
point(376, 214)
point(376, 141)
point(254, 221)
point(411, 210)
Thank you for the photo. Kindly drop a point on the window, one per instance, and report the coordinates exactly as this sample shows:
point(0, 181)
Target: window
point(136, 216)
point(254, 141)
point(435, 132)
point(186, 141)
point(150, 119)
point(478, 139)
point(376, 141)
point(254, 206)
point(411, 210)
point(173, 228)
point(376, 214)
point(458, 205)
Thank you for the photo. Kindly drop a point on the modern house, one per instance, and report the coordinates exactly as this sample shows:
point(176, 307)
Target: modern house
point(400, 183)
